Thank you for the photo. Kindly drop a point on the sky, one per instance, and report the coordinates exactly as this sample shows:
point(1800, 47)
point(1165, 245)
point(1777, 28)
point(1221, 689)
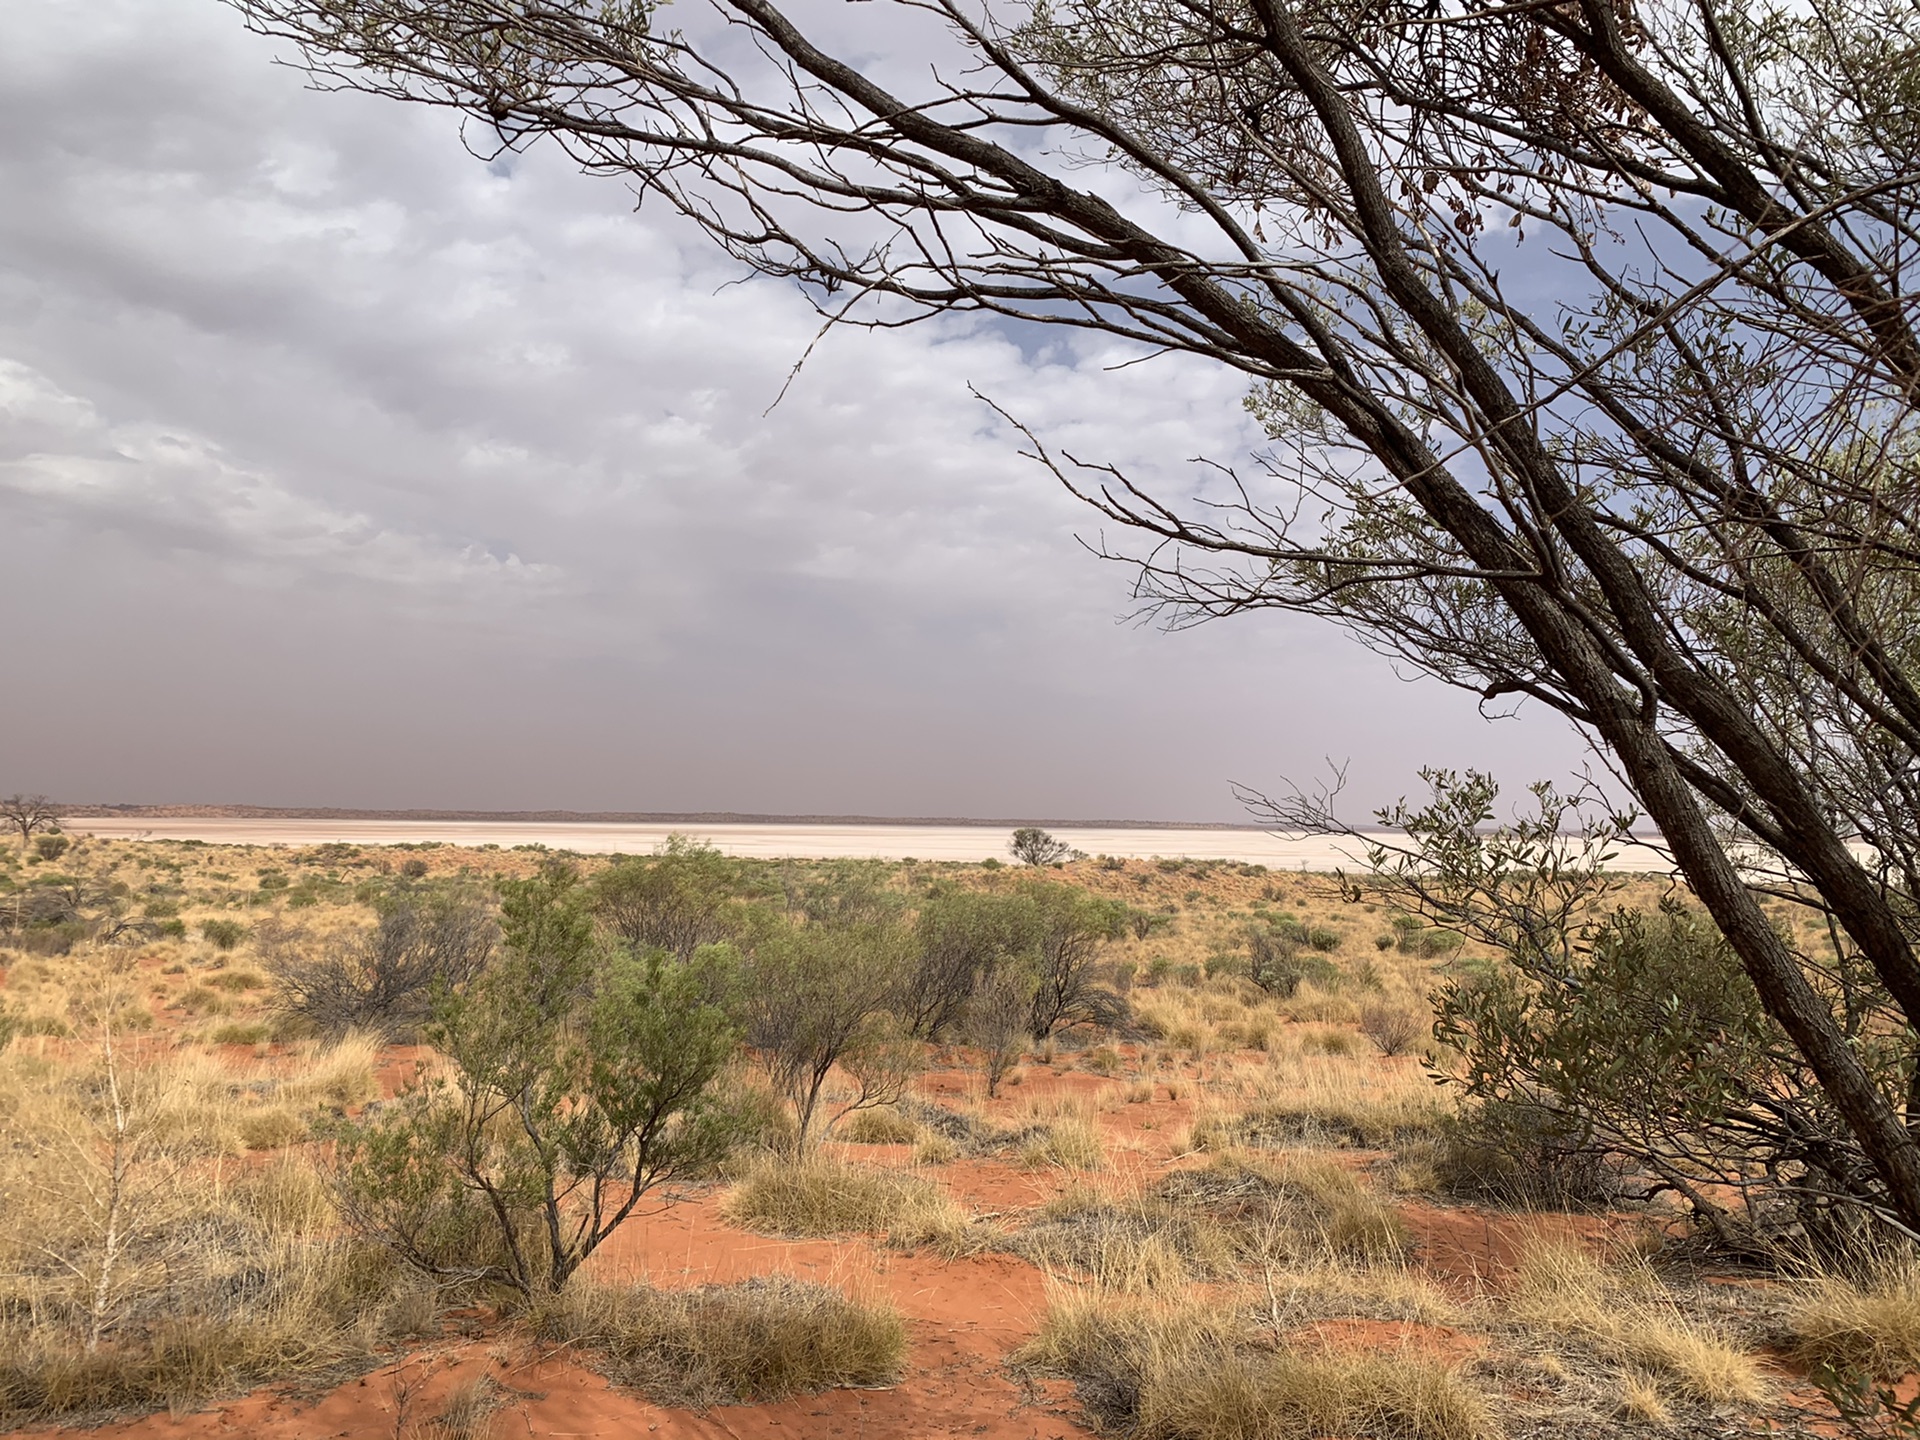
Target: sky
point(340, 468)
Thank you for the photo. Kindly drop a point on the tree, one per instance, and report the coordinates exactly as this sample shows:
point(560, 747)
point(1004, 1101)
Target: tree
point(29, 814)
point(999, 1019)
point(677, 900)
point(1033, 846)
point(1073, 930)
point(817, 996)
point(581, 1080)
point(964, 938)
point(1661, 483)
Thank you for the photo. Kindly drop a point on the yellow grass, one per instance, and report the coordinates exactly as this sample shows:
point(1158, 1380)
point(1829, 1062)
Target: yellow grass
point(1194, 1371)
point(758, 1340)
point(1869, 1324)
point(822, 1196)
point(1627, 1318)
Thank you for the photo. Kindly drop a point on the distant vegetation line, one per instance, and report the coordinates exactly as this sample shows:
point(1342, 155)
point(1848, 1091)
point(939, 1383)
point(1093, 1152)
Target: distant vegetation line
point(614, 817)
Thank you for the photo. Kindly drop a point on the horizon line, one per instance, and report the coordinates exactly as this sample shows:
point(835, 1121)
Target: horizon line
point(104, 810)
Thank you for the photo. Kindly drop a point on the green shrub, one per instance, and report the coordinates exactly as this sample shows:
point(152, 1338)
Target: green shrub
point(223, 934)
point(579, 1081)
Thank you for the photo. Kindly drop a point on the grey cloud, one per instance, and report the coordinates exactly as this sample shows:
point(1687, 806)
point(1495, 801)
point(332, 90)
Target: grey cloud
point(342, 468)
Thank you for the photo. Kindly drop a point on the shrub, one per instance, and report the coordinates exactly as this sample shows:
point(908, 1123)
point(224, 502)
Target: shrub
point(1073, 929)
point(1394, 1029)
point(758, 1340)
point(51, 847)
point(964, 939)
point(1031, 845)
point(999, 1020)
point(580, 1081)
point(815, 999)
point(1649, 1049)
point(249, 1033)
point(676, 900)
point(427, 940)
point(1273, 959)
point(223, 934)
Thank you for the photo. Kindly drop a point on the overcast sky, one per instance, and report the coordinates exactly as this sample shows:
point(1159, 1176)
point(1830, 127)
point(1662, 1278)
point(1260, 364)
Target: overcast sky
point(339, 468)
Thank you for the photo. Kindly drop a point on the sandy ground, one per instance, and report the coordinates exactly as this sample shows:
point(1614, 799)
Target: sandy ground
point(891, 842)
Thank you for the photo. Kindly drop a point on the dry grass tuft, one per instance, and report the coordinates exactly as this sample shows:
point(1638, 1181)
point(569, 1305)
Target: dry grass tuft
point(1195, 1372)
point(1641, 1400)
point(469, 1411)
point(1234, 1219)
point(1629, 1320)
point(820, 1196)
point(1869, 1325)
point(134, 1273)
point(1335, 1100)
point(761, 1339)
point(883, 1125)
point(1069, 1143)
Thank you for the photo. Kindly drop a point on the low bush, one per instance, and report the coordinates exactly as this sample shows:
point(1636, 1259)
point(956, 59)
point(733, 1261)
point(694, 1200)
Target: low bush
point(1524, 1156)
point(427, 940)
point(577, 1082)
point(251, 1032)
point(223, 934)
point(1395, 1029)
point(758, 1340)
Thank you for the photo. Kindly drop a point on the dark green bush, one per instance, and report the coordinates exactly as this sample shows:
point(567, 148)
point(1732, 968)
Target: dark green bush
point(223, 934)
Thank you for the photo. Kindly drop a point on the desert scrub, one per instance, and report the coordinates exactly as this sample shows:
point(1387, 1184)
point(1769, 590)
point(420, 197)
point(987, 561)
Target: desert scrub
point(130, 1279)
point(758, 1340)
point(223, 934)
point(821, 1196)
point(1169, 1371)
